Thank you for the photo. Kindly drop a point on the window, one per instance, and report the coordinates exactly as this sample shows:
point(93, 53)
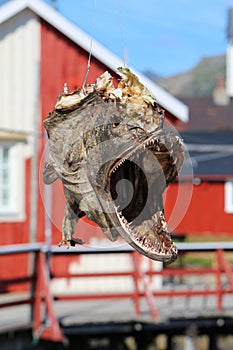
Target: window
point(12, 182)
point(229, 196)
point(5, 182)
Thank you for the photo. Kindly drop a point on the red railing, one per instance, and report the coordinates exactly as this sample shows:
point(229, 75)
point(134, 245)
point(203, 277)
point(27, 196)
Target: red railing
point(43, 320)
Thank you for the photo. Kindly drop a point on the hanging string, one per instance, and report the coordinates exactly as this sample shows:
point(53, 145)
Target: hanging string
point(124, 57)
point(122, 34)
point(91, 47)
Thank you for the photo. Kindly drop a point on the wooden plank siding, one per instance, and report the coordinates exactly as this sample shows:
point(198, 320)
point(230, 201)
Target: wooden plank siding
point(205, 213)
point(61, 61)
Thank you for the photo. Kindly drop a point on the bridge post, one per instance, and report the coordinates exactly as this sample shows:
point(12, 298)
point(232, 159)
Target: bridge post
point(169, 342)
point(212, 341)
point(136, 278)
point(148, 294)
point(45, 325)
point(190, 335)
point(219, 282)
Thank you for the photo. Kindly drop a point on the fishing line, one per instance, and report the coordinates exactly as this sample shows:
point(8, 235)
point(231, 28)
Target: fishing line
point(122, 34)
point(91, 45)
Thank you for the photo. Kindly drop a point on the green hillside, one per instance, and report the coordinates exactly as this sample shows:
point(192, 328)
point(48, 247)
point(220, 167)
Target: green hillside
point(199, 81)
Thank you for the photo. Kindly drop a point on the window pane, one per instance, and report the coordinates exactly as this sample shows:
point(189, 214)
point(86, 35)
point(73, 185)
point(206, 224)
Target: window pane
point(232, 193)
point(229, 197)
point(4, 179)
point(11, 181)
point(5, 155)
point(5, 197)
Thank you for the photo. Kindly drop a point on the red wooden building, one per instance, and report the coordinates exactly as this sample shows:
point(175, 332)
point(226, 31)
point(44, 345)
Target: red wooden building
point(209, 138)
point(209, 196)
point(39, 51)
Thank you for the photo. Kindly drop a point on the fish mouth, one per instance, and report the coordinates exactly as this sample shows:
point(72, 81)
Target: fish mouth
point(136, 182)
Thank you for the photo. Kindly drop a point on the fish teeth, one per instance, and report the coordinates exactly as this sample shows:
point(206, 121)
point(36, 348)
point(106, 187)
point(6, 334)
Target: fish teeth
point(124, 221)
point(137, 151)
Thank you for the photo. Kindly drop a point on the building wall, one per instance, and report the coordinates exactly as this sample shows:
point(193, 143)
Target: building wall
point(19, 98)
point(62, 61)
point(19, 71)
point(205, 214)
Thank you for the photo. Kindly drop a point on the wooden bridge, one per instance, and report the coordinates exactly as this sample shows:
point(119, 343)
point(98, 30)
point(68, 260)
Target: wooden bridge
point(172, 300)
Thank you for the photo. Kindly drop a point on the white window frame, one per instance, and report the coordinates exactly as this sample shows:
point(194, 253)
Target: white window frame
point(15, 210)
point(228, 196)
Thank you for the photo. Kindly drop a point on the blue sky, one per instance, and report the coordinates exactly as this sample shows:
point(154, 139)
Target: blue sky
point(166, 36)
